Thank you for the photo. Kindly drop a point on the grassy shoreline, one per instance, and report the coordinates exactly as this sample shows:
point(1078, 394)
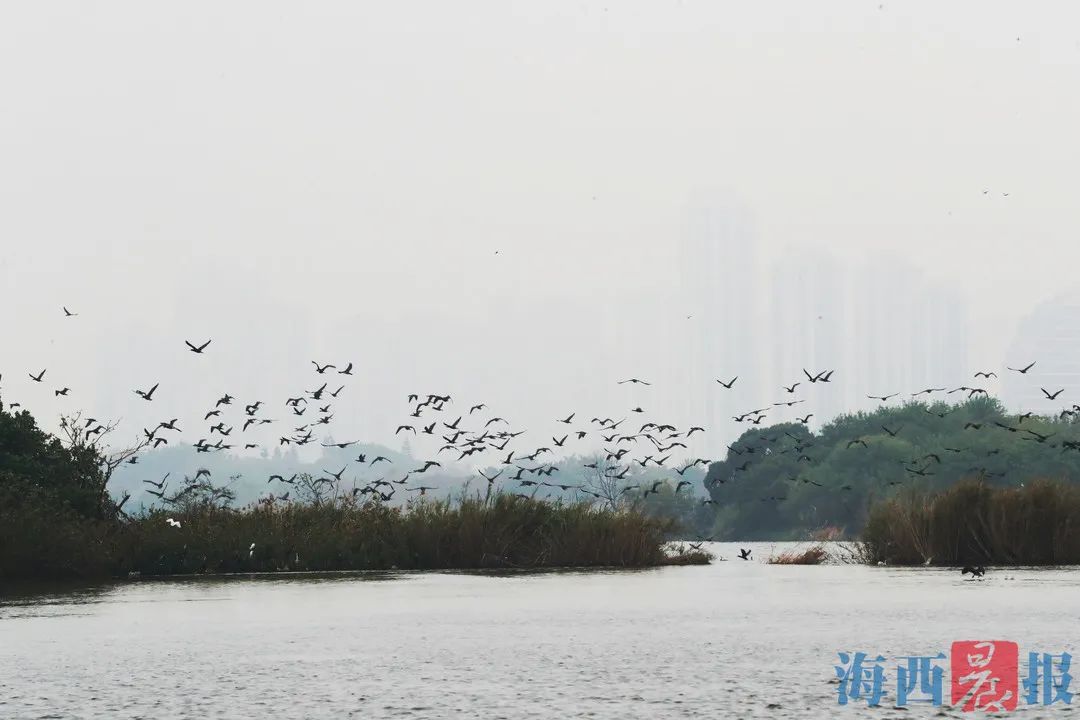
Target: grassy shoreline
point(501, 532)
point(974, 523)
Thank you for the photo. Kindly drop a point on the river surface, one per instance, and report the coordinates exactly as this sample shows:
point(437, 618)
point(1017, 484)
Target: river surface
point(735, 639)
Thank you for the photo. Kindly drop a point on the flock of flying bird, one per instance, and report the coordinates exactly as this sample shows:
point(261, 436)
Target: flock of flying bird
point(478, 435)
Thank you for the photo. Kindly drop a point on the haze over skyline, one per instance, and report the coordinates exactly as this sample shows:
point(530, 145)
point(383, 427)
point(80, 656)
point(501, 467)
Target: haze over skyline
point(510, 211)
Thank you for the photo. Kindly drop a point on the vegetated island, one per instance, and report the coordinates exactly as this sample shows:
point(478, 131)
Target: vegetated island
point(58, 520)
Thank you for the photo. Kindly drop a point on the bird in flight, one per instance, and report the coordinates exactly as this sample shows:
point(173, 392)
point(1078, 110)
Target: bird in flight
point(729, 383)
point(744, 553)
point(147, 394)
point(37, 378)
point(346, 371)
point(197, 349)
point(1052, 396)
point(63, 391)
point(158, 485)
point(569, 419)
point(1023, 370)
point(987, 375)
point(68, 313)
point(634, 381)
point(882, 398)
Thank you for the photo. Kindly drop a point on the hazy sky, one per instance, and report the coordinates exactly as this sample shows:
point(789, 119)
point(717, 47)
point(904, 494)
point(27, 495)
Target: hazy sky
point(332, 180)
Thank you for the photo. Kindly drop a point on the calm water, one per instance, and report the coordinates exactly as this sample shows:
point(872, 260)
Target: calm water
point(732, 640)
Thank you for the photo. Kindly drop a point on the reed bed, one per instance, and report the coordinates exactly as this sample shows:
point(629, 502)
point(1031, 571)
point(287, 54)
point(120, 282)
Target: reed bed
point(972, 522)
point(502, 531)
point(813, 555)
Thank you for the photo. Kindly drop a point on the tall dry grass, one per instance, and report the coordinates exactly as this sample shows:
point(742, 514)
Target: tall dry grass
point(814, 555)
point(503, 531)
point(975, 523)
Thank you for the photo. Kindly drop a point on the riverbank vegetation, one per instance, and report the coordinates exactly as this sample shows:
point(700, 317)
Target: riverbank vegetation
point(784, 482)
point(977, 523)
point(814, 555)
point(58, 520)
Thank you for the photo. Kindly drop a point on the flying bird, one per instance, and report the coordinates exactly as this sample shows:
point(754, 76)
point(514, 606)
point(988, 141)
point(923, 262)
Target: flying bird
point(196, 349)
point(1023, 370)
point(147, 394)
point(729, 383)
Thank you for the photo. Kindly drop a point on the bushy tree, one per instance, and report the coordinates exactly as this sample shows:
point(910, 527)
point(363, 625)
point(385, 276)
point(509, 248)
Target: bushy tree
point(785, 481)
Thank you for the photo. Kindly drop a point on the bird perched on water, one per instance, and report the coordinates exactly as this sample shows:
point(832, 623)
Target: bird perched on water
point(976, 571)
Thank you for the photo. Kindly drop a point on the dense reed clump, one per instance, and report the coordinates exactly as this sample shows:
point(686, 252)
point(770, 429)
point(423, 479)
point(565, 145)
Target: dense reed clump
point(975, 523)
point(502, 531)
point(813, 555)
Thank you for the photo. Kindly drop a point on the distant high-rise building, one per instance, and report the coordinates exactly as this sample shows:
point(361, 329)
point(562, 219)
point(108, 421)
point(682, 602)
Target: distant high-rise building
point(719, 270)
point(908, 333)
point(1049, 337)
point(808, 332)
